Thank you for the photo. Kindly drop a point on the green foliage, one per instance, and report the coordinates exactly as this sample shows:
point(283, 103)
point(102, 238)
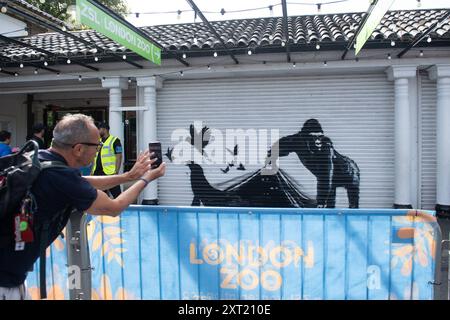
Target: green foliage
point(59, 8)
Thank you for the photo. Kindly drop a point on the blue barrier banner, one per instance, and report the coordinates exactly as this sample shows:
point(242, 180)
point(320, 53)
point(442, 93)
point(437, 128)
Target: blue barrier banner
point(156, 252)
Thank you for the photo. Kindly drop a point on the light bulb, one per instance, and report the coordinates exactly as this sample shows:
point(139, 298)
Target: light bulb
point(392, 43)
point(184, 55)
point(429, 39)
point(318, 46)
point(21, 65)
point(389, 56)
point(249, 52)
point(96, 58)
point(45, 63)
point(68, 61)
point(293, 64)
point(215, 54)
point(35, 71)
point(421, 53)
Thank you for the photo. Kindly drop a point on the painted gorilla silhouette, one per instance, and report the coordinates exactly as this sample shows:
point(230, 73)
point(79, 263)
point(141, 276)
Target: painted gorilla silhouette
point(318, 155)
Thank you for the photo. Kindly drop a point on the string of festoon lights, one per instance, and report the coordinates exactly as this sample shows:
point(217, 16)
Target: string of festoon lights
point(270, 7)
point(209, 66)
point(223, 11)
point(180, 73)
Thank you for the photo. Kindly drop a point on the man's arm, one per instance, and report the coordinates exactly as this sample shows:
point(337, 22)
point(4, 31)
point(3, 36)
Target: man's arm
point(142, 165)
point(108, 182)
point(103, 205)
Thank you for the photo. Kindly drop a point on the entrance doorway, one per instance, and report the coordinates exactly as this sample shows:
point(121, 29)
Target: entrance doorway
point(52, 114)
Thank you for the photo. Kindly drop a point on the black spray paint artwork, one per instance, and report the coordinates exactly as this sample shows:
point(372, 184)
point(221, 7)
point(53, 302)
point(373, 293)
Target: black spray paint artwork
point(315, 151)
point(317, 154)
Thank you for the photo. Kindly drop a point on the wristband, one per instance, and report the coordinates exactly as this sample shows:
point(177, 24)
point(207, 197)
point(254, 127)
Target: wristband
point(145, 180)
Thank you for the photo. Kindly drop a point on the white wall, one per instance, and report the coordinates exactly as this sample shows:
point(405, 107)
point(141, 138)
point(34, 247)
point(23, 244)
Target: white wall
point(14, 107)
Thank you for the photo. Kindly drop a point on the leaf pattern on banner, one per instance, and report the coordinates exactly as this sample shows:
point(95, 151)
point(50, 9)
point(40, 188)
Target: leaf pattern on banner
point(122, 294)
point(112, 231)
point(59, 242)
point(108, 219)
point(33, 293)
point(105, 292)
point(107, 239)
point(419, 227)
point(53, 293)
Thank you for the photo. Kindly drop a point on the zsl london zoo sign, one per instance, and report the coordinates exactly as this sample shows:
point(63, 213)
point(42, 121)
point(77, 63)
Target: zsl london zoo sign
point(97, 19)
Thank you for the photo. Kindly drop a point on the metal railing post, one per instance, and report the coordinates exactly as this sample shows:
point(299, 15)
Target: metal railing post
point(78, 258)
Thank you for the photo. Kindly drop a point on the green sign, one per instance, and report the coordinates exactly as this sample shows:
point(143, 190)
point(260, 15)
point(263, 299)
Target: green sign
point(372, 22)
point(100, 21)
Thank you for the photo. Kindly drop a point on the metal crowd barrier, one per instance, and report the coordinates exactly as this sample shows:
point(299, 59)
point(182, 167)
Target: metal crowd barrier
point(162, 252)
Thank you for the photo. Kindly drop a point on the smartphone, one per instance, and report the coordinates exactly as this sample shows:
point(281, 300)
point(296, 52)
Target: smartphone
point(155, 147)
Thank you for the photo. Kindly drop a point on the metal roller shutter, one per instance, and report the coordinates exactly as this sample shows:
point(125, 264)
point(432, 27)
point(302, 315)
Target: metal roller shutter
point(355, 111)
point(427, 142)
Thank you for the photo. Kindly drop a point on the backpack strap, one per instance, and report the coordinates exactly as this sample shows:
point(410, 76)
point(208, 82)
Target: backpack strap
point(42, 260)
point(44, 235)
point(52, 164)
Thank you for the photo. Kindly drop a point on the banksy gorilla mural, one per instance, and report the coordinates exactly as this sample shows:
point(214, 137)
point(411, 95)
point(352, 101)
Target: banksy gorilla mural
point(255, 189)
point(317, 154)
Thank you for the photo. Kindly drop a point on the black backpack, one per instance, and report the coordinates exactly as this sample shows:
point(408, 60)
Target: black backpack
point(18, 172)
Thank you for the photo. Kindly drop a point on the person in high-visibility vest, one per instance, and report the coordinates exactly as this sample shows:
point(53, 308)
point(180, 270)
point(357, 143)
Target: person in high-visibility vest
point(109, 158)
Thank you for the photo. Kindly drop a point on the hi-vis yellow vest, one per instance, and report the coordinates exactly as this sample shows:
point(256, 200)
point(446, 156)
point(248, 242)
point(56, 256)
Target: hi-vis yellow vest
point(108, 157)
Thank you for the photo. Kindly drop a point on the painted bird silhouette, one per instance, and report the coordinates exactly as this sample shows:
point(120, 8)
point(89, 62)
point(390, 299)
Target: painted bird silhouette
point(168, 154)
point(231, 164)
point(204, 136)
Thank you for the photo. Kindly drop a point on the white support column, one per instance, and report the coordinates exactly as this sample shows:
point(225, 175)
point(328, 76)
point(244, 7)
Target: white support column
point(401, 74)
point(148, 128)
point(441, 74)
point(116, 85)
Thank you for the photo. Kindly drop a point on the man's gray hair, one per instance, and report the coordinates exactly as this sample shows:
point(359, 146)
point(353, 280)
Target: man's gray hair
point(72, 129)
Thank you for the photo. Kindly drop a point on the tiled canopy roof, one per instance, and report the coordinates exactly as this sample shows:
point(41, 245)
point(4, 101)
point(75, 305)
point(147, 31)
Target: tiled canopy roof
point(22, 4)
point(331, 31)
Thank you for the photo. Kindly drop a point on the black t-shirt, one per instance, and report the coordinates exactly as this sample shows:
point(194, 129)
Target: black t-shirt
point(117, 145)
point(55, 189)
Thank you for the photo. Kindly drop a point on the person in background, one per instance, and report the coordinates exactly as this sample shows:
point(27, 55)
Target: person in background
point(109, 158)
point(5, 140)
point(38, 135)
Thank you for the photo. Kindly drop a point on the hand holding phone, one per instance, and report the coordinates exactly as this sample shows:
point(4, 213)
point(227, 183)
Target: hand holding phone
point(155, 148)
